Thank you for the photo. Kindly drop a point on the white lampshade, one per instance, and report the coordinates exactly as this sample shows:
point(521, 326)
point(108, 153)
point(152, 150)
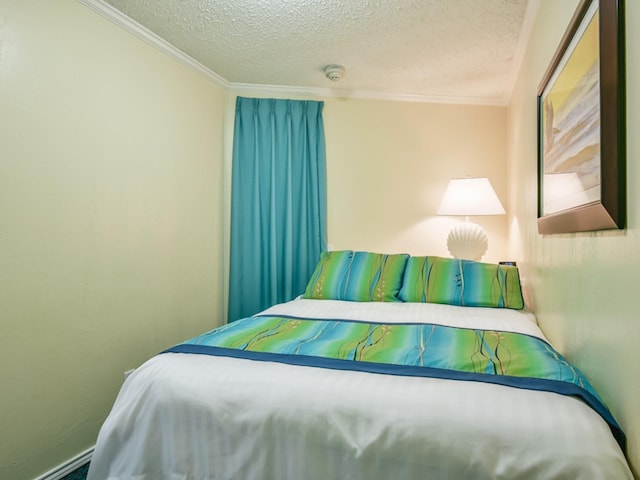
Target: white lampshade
point(469, 196)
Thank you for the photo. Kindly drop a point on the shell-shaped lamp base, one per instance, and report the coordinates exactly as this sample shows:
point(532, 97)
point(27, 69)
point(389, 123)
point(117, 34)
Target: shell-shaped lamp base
point(467, 241)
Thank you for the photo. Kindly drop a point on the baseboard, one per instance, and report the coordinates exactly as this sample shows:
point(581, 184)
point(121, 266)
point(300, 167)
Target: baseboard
point(69, 466)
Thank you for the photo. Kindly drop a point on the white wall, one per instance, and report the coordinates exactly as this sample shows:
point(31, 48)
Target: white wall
point(582, 286)
point(110, 220)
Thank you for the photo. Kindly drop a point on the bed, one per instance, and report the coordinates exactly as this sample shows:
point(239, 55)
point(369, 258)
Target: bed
point(388, 366)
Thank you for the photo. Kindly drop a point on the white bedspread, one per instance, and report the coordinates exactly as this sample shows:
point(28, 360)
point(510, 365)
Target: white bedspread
point(196, 417)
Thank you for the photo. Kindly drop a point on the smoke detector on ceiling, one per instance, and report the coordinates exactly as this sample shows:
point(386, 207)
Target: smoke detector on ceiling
point(334, 72)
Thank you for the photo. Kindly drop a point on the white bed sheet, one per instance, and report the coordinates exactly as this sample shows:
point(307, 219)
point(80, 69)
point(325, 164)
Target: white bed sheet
point(196, 417)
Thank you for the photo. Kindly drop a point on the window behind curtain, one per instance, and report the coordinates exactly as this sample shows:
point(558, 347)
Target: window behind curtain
point(278, 201)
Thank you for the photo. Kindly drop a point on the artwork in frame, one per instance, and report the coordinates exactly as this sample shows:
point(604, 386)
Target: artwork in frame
point(581, 125)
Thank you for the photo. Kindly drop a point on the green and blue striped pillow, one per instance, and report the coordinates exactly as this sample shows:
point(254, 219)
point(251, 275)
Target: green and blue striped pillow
point(357, 276)
point(327, 278)
point(461, 282)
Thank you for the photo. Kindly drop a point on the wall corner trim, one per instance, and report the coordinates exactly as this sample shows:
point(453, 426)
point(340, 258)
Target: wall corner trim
point(69, 466)
point(127, 23)
point(122, 20)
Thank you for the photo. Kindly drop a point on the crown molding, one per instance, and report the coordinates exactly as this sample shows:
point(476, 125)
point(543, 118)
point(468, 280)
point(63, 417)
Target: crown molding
point(122, 20)
point(521, 47)
point(286, 90)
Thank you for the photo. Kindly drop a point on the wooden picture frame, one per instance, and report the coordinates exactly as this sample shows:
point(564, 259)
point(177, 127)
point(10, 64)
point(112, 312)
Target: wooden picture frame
point(582, 126)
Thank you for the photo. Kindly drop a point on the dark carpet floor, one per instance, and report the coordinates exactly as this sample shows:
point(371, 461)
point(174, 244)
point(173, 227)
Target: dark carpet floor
point(79, 474)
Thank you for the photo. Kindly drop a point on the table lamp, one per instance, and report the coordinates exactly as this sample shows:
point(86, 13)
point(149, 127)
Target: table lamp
point(469, 196)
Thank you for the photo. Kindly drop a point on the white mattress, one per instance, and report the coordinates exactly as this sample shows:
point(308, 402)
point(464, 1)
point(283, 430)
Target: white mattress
point(188, 416)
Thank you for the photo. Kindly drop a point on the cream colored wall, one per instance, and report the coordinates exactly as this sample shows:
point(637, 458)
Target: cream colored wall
point(583, 287)
point(110, 220)
point(388, 164)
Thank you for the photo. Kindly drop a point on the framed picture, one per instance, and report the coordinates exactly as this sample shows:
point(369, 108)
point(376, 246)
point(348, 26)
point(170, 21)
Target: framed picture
point(581, 125)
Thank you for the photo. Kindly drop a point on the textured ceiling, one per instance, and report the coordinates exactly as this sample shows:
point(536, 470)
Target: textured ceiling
point(461, 49)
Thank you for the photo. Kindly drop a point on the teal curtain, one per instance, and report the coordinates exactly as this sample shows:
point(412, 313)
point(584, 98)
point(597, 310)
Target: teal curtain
point(278, 201)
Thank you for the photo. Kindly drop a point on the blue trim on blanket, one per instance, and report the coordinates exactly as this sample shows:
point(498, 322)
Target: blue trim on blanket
point(555, 386)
